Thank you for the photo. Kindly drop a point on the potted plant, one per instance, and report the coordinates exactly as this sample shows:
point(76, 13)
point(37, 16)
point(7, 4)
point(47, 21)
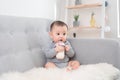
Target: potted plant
point(77, 2)
point(76, 23)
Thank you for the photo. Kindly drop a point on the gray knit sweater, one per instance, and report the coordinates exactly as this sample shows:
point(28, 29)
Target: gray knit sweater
point(50, 55)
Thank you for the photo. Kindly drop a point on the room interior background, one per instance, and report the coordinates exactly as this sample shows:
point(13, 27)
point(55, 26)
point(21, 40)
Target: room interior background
point(53, 9)
point(111, 13)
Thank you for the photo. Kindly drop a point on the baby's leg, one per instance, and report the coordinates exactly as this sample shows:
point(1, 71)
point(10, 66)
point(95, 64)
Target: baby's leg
point(50, 65)
point(74, 64)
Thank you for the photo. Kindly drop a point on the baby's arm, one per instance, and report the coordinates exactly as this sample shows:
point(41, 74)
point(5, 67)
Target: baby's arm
point(49, 51)
point(69, 50)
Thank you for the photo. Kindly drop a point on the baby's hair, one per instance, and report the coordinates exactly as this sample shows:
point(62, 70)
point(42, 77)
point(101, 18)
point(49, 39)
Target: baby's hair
point(58, 23)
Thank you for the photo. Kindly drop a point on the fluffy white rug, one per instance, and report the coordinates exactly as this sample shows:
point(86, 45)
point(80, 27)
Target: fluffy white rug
point(101, 71)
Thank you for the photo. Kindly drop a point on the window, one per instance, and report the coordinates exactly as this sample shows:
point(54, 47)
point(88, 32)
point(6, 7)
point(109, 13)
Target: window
point(118, 20)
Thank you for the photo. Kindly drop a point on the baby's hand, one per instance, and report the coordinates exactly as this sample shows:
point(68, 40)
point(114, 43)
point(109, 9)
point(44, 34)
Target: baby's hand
point(67, 47)
point(59, 48)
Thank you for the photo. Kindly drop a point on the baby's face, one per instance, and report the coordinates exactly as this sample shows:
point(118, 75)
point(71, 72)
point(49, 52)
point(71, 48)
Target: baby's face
point(59, 33)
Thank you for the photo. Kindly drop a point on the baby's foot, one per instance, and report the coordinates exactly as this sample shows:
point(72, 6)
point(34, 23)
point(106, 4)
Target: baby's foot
point(69, 68)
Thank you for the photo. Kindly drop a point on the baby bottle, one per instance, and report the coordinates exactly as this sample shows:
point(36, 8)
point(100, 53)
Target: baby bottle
point(60, 55)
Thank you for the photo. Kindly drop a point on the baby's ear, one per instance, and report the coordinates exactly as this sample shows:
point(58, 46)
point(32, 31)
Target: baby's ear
point(50, 33)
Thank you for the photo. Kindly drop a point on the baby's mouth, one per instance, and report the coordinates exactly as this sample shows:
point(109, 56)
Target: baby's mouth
point(60, 40)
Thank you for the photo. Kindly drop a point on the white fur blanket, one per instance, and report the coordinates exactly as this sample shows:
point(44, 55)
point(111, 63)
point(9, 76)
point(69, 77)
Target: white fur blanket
point(101, 71)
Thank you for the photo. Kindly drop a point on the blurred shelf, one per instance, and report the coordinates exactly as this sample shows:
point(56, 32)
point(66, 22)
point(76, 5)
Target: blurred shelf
point(84, 32)
point(84, 28)
point(84, 6)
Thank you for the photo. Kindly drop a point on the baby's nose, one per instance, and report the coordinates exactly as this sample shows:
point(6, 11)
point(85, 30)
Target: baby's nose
point(61, 36)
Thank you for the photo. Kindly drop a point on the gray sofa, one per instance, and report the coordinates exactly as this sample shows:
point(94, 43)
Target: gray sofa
point(22, 40)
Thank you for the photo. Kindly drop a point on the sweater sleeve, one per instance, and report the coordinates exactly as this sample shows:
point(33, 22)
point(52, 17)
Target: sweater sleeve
point(71, 52)
point(49, 51)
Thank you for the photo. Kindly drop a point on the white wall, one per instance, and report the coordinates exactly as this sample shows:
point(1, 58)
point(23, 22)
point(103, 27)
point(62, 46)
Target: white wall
point(60, 9)
point(28, 8)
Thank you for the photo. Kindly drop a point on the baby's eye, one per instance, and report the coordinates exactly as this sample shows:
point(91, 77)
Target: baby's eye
point(64, 33)
point(58, 33)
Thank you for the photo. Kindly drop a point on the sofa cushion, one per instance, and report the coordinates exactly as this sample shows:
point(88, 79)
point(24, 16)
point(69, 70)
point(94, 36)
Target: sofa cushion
point(16, 62)
point(38, 57)
point(96, 50)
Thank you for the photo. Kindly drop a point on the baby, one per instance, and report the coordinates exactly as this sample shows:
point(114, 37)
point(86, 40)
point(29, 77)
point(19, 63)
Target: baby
point(59, 51)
